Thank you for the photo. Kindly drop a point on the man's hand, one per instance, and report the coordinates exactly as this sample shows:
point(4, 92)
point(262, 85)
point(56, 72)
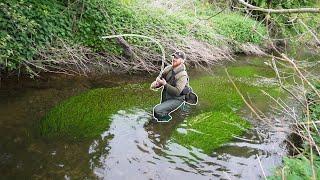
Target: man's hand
point(155, 84)
point(161, 81)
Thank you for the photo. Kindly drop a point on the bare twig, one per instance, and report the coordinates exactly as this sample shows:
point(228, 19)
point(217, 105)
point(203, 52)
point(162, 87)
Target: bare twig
point(244, 100)
point(264, 175)
point(279, 11)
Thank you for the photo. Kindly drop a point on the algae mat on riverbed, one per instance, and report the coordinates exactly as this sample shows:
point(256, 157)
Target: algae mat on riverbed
point(220, 104)
point(88, 115)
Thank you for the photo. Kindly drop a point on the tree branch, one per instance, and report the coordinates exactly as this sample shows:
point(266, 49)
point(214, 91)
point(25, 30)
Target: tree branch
point(280, 11)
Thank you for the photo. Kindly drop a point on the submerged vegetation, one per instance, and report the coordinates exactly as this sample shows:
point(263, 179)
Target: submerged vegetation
point(219, 120)
point(60, 36)
point(88, 115)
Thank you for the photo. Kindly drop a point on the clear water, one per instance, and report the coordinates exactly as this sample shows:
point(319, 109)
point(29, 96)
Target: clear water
point(129, 149)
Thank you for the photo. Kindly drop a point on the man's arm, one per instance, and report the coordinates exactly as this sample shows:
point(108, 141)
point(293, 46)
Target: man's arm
point(164, 72)
point(181, 83)
point(161, 75)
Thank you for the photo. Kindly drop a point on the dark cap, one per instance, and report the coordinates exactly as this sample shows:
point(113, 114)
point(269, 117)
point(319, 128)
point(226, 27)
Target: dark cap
point(179, 54)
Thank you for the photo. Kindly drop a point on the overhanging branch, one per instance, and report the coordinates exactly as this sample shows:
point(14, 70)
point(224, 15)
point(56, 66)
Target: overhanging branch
point(280, 11)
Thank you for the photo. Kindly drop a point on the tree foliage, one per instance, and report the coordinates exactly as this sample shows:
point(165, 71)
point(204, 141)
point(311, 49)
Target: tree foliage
point(286, 4)
point(27, 26)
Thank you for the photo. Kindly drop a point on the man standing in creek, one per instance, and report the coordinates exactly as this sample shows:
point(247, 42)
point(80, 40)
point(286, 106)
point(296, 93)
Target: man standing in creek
point(176, 91)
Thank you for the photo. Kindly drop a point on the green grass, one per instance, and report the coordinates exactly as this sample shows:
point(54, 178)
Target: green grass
point(297, 168)
point(239, 28)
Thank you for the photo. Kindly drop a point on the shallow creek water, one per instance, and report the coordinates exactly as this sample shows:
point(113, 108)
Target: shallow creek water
point(129, 149)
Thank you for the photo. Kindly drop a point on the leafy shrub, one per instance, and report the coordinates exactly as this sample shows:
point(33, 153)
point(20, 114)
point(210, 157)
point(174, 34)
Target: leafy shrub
point(239, 28)
point(283, 4)
point(298, 168)
point(287, 25)
point(26, 26)
point(314, 105)
point(101, 18)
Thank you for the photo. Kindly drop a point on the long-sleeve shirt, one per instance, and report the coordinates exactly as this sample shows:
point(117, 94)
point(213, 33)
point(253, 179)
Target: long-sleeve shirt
point(172, 90)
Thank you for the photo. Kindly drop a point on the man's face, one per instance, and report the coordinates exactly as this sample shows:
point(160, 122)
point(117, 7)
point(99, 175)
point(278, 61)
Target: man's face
point(176, 61)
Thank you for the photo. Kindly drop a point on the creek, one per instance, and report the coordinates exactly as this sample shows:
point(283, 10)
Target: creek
point(129, 149)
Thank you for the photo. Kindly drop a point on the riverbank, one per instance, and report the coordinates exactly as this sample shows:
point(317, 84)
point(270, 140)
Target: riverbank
point(68, 41)
point(304, 161)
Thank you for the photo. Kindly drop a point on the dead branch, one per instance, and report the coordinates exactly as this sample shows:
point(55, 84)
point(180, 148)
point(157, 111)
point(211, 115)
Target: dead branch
point(279, 11)
point(244, 100)
point(127, 49)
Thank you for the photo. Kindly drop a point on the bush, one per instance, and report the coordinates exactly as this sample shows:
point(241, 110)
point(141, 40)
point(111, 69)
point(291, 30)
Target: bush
point(27, 26)
point(239, 28)
point(99, 18)
point(301, 167)
point(298, 168)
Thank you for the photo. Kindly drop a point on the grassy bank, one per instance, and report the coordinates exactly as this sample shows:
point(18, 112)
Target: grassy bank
point(42, 35)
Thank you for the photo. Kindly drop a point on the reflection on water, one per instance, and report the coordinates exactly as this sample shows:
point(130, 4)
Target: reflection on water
point(131, 151)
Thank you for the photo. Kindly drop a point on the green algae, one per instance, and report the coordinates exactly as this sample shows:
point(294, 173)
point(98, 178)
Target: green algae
point(215, 122)
point(249, 71)
point(211, 129)
point(87, 115)
point(220, 103)
point(245, 71)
